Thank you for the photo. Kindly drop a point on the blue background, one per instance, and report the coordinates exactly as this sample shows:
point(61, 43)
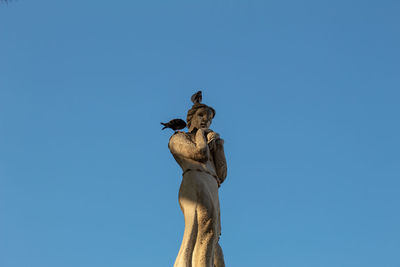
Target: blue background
point(307, 100)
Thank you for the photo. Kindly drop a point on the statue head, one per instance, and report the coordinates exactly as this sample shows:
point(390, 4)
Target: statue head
point(200, 115)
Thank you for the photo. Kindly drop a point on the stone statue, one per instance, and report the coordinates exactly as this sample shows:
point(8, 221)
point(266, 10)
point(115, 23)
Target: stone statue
point(200, 154)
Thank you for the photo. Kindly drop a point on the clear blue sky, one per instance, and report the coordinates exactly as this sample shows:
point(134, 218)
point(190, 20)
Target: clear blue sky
point(307, 97)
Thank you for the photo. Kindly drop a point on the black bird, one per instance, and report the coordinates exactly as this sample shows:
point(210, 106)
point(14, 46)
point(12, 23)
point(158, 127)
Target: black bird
point(175, 124)
point(197, 98)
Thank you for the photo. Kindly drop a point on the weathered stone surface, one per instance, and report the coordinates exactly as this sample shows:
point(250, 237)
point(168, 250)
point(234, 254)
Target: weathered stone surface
point(200, 154)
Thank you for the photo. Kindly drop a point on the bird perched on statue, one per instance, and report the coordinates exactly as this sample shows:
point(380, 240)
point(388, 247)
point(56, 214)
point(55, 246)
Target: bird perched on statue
point(197, 98)
point(175, 124)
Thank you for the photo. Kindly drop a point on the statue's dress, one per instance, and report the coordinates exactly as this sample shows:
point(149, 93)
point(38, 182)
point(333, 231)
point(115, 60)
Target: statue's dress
point(198, 199)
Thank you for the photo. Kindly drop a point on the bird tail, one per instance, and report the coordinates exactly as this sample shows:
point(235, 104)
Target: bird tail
point(165, 125)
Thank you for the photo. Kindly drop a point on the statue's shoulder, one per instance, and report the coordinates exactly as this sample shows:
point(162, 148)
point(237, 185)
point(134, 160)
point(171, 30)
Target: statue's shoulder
point(179, 137)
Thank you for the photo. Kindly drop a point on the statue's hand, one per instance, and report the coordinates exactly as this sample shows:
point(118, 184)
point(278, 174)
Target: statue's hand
point(213, 140)
point(212, 136)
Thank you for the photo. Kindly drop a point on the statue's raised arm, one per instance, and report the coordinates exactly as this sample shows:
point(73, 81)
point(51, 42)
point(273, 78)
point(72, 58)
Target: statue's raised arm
point(182, 147)
point(219, 159)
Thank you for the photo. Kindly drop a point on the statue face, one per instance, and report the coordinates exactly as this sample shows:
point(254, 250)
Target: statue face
point(202, 118)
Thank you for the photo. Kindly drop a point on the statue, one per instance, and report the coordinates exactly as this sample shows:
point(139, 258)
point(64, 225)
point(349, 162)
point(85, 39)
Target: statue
point(200, 154)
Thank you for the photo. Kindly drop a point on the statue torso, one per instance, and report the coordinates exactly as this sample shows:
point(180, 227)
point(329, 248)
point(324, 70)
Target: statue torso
point(187, 163)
